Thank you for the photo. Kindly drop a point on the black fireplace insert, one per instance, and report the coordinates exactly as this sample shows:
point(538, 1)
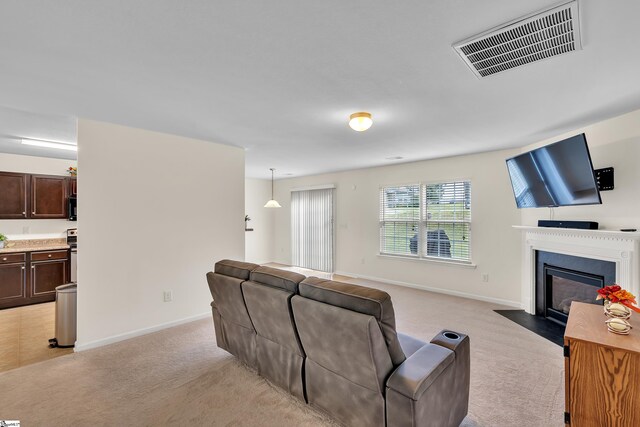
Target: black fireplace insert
point(564, 286)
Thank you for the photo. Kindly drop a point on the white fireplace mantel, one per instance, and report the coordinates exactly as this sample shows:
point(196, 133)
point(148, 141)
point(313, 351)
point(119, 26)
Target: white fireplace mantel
point(622, 248)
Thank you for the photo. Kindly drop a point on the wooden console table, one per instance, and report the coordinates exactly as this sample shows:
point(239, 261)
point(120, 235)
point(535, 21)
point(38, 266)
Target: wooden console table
point(602, 370)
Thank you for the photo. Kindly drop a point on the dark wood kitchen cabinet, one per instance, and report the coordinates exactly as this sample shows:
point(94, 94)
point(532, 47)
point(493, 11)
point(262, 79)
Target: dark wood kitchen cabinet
point(32, 277)
point(14, 195)
point(73, 186)
point(13, 280)
point(46, 275)
point(30, 196)
point(49, 196)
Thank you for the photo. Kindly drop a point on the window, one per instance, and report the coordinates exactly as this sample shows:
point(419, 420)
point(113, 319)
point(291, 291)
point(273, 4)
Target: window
point(426, 220)
point(399, 219)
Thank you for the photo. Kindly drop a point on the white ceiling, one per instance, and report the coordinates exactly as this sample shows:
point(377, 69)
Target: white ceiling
point(281, 78)
point(16, 125)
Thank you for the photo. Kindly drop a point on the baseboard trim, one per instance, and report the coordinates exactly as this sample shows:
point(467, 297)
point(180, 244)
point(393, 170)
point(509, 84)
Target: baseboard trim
point(138, 332)
point(500, 301)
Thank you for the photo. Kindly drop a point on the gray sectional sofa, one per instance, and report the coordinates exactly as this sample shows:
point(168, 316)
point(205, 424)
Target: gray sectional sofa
point(334, 346)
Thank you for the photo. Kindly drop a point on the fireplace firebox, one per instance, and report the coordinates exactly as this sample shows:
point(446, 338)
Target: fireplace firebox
point(562, 279)
point(564, 286)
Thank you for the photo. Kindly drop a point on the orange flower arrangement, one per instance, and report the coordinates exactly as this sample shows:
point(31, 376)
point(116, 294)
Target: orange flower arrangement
point(72, 171)
point(615, 293)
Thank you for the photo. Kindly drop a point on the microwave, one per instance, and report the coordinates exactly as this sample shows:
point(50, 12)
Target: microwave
point(73, 208)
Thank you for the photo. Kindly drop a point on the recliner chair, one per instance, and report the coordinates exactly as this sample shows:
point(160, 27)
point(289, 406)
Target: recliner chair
point(362, 372)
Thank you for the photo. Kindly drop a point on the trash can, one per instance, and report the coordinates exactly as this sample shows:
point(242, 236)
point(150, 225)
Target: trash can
point(66, 297)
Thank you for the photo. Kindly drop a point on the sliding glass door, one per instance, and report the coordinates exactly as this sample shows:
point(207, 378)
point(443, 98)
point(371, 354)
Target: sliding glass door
point(312, 229)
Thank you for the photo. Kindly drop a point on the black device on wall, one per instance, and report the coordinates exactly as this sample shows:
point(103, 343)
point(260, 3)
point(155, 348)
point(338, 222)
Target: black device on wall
point(559, 174)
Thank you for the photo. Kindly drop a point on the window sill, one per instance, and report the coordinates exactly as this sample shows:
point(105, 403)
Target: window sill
point(452, 263)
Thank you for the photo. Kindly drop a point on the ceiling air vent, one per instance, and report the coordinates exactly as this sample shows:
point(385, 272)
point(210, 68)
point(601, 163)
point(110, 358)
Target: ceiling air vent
point(523, 41)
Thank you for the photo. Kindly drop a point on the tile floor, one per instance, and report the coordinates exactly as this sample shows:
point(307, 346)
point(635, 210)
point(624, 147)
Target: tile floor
point(25, 333)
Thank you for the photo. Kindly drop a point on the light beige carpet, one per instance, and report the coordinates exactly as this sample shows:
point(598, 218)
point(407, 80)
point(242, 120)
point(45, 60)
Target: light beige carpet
point(179, 377)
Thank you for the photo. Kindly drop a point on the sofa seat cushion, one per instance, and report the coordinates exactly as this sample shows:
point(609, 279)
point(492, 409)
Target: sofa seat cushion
point(287, 280)
point(361, 299)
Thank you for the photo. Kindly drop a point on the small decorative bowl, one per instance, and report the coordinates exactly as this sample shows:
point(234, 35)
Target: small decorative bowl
point(617, 310)
point(618, 326)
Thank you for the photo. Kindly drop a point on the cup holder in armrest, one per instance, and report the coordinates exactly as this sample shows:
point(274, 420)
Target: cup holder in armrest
point(451, 335)
point(452, 340)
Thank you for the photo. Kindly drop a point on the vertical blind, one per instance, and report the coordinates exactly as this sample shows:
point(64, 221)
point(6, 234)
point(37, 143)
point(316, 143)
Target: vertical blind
point(312, 229)
point(428, 220)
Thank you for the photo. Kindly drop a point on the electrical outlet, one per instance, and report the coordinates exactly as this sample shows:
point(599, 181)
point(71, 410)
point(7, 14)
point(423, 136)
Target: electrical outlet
point(25, 229)
point(485, 277)
point(168, 296)
point(362, 260)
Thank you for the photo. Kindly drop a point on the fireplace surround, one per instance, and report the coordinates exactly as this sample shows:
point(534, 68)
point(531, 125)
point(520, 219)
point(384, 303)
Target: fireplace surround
point(621, 249)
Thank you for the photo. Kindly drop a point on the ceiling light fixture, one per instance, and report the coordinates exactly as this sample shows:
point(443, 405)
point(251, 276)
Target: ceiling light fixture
point(50, 144)
point(360, 121)
point(272, 203)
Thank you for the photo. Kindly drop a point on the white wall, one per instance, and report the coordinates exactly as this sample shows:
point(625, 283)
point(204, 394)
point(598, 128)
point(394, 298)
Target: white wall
point(495, 245)
point(614, 142)
point(259, 242)
point(156, 211)
point(34, 228)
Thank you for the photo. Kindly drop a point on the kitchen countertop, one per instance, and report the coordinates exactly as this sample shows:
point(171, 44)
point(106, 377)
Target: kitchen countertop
point(33, 245)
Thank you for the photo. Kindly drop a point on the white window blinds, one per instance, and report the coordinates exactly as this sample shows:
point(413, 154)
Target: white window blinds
point(426, 220)
point(447, 220)
point(399, 220)
point(312, 229)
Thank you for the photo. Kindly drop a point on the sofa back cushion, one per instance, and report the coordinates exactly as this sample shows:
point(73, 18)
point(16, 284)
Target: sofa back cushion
point(280, 357)
point(238, 269)
point(360, 299)
point(228, 299)
point(287, 280)
point(234, 330)
point(270, 308)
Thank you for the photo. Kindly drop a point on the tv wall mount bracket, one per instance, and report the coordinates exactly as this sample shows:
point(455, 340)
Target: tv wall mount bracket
point(604, 178)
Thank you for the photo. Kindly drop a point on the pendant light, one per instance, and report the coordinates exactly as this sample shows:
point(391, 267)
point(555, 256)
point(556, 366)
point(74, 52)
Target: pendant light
point(272, 203)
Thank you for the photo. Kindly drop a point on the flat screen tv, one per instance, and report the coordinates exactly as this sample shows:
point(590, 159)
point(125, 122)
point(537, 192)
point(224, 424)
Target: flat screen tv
point(559, 174)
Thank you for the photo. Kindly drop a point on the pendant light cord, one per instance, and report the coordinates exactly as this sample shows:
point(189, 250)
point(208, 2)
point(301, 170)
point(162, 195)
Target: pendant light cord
point(272, 183)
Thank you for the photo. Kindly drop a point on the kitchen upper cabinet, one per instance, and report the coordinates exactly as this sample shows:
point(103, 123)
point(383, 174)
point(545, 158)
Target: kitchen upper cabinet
point(14, 195)
point(49, 196)
point(73, 186)
point(29, 196)
point(13, 280)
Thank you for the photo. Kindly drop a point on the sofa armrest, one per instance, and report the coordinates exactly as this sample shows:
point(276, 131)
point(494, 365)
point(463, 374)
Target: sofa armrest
point(431, 387)
point(420, 370)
